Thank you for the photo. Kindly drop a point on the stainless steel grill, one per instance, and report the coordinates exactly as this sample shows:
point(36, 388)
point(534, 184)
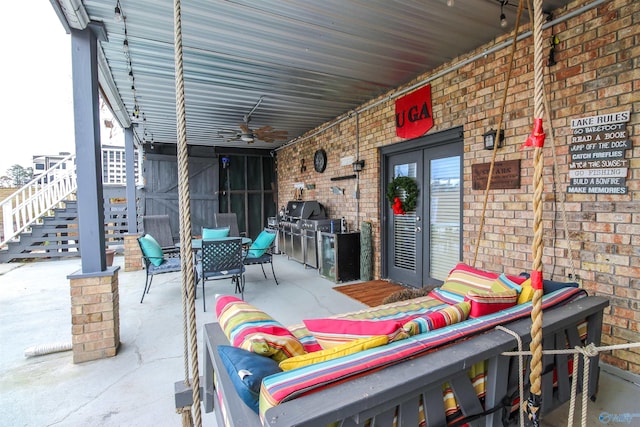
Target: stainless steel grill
point(299, 228)
point(308, 209)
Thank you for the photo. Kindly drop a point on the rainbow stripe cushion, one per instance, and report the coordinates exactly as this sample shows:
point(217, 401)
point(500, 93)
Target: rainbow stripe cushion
point(463, 279)
point(253, 330)
point(438, 319)
point(331, 332)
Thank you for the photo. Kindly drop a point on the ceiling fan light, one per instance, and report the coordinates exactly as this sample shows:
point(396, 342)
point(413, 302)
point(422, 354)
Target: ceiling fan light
point(247, 138)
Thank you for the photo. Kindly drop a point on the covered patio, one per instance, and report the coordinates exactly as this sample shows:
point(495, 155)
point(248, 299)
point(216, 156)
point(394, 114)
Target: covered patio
point(136, 387)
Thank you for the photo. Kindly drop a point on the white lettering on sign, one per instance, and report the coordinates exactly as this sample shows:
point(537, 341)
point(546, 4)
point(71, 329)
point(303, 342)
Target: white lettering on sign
point(589, 173)
point(604, 119)
point(597, 190)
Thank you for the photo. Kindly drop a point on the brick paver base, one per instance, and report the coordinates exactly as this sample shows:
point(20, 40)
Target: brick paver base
point(95, 318)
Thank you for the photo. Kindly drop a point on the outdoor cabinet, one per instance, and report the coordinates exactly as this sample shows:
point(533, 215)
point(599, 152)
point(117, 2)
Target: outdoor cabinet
point(339, 256)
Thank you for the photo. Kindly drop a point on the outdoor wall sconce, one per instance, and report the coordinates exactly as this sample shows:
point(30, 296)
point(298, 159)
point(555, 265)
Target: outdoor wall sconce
point(490, 139)
point(358, 165)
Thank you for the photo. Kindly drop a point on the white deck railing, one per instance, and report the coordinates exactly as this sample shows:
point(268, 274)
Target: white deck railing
point(43, 193)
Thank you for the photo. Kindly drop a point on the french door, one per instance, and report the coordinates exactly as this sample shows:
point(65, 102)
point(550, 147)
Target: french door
point(423, 245)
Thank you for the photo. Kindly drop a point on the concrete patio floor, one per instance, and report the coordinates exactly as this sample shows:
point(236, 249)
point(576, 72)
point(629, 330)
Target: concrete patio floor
point(135, 388)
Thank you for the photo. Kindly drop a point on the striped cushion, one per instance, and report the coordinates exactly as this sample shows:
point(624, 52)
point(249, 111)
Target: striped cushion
point(334, 352)
point(333, 332)
point(438, 319)
point(251, 329)
point(464, 278)
point(503, 283)
point(290, 384)
point(305, 337)
point(490, 302)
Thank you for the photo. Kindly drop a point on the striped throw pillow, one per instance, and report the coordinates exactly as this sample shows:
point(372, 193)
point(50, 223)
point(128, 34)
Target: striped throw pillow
point(438, 319)
point(251, 329)
point(331, 332)
point(490, 302)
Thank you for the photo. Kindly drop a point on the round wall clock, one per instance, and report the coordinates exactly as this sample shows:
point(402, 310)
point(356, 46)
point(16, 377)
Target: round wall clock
point(320, 160)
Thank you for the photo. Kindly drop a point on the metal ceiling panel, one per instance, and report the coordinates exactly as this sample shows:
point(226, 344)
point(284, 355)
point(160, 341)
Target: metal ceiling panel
point(311, 60)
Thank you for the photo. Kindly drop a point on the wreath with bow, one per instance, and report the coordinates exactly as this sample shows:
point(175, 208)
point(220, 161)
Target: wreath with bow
point(410, 189)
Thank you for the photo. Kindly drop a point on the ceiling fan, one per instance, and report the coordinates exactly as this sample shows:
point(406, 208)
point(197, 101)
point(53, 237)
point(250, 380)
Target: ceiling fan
point(248, 135)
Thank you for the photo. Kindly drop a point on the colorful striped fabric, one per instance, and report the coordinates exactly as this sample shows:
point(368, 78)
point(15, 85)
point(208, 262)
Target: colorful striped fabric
point(503, 283)
point(464, 278)
point(486, 303)
point(252, 329)
point(438, 319)
point(288, 385)
point(400, 310)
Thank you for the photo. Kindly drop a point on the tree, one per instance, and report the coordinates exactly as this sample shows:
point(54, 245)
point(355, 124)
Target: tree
point(5, 182)
point(19, 175)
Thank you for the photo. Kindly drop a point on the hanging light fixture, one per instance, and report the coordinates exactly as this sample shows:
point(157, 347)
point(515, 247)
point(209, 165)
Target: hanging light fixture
point(491, 140)
point(503, 17)
point(118, 12)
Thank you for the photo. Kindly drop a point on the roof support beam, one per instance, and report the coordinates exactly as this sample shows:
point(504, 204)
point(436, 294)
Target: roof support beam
point(84, 44)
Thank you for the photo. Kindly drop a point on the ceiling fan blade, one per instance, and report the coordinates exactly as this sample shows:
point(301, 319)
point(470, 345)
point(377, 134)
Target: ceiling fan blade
point(266, 128)
point(244, 127)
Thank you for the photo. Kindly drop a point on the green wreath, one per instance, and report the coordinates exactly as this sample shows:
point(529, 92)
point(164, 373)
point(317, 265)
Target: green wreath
point(410, 188)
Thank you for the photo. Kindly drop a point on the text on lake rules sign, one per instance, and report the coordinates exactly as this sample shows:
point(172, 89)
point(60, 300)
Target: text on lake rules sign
point(597, 150)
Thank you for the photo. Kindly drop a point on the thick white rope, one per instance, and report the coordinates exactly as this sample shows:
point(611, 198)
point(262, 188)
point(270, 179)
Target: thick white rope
point(587, 352)
point(521, 409)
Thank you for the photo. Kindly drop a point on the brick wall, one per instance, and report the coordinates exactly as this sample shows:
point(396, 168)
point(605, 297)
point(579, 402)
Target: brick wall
point(596, 73)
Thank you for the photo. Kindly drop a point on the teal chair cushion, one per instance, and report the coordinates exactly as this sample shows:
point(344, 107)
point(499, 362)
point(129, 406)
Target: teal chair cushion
point(151, 249)
point(215, 233)
point(261, 244)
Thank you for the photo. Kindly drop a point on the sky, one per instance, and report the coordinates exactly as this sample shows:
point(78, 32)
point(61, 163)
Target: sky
point(36, 89)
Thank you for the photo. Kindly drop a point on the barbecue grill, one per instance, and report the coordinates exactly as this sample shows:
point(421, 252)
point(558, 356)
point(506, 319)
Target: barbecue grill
point(299, 228)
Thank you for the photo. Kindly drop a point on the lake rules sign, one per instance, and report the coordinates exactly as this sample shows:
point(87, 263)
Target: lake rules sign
point(414, 115)
point(597, 150)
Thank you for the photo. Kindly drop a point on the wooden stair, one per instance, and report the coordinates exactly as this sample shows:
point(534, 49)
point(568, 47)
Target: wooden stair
point(56, 235)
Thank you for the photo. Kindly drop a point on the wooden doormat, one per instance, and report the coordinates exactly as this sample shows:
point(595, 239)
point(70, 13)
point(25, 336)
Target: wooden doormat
point(370, 293)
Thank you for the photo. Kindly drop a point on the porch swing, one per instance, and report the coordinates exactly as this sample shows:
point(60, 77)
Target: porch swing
point(344, 393)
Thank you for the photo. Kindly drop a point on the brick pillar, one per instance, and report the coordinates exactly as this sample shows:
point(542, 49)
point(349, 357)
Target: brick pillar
point(95, 315)
point(132, 254)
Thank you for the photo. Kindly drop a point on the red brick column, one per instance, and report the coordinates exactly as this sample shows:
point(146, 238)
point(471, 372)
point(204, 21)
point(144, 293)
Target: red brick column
point(132, 254)
point(95, 315)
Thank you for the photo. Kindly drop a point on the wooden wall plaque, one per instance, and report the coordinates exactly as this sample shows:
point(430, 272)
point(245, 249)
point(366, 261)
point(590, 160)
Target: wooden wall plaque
point(506, 175)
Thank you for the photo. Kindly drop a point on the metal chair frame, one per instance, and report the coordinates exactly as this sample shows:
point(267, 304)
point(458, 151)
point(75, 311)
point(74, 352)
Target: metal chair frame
point(170, 264)
point(222, 259)
point(227, 220)
point(266, 258)
point(159, 227)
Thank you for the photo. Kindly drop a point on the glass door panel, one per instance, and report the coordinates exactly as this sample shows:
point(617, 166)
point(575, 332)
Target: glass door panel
point(444, 218)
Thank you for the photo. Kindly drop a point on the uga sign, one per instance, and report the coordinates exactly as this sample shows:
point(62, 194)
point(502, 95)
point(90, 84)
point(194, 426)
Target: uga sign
point(414, 116)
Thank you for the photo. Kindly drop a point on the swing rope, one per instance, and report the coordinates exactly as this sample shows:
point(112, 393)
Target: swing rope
point(536, 140)
point(187, 271)
point(503, 104)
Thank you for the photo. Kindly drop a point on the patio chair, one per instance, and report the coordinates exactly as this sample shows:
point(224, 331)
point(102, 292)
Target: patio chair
point(156, 261)
point(222, 259)
point(227, 220)
point(261, 252)
point(160, 228)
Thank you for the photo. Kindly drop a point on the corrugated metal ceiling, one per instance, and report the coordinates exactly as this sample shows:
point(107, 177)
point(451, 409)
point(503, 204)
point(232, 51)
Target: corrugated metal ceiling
point(310, 60)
